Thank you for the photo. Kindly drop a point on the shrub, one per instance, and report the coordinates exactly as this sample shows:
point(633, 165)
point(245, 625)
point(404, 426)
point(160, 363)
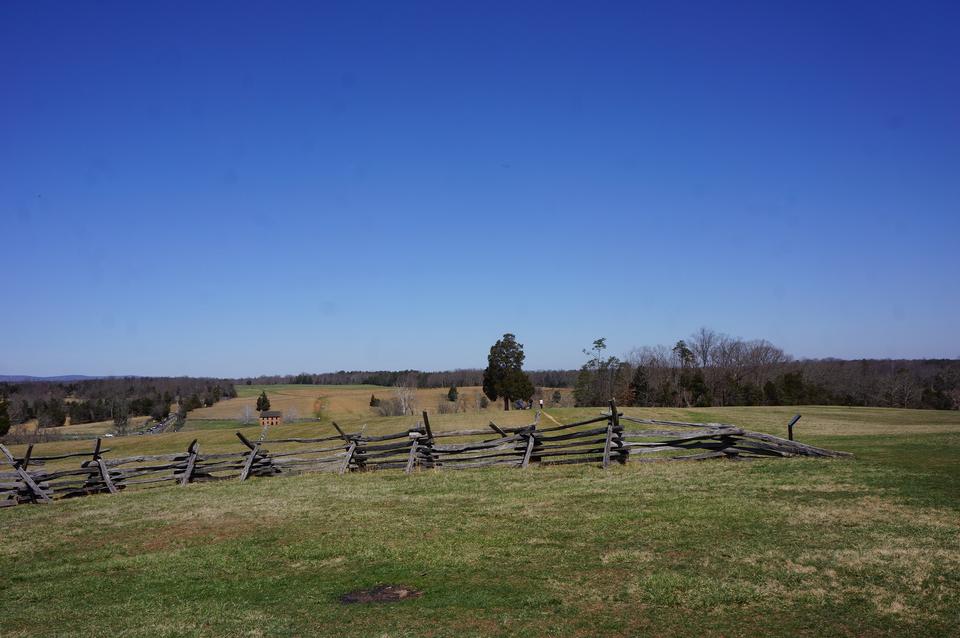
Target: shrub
point(446, 407)
point(391, 407)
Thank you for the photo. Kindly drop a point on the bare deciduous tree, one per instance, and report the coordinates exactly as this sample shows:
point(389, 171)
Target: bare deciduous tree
point(405, 392)
point(121, 416)
point(702, 343)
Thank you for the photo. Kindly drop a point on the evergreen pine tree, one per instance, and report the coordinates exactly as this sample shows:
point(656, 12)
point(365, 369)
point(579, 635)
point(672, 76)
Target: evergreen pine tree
point(504, 377)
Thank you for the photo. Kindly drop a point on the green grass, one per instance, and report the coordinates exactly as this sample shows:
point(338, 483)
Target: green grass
point(232, 425)
point(195, 425)
point(869, 546)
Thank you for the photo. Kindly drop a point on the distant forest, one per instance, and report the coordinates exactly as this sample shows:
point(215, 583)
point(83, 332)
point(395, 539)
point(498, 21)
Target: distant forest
point(87, 401)
point(713, 369)
point(416, 378)
point(705, 369)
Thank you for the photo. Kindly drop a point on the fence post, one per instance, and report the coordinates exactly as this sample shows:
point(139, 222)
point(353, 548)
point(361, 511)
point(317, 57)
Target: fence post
point(790, 425)
point(426, 425)
point(531, 440)
point(254, 450)
point(414, 446)
point(104, 472)
point(346, 461)
point(35, 491)
point(428, 443)
point(350, 449)
point(360, 454)
point(613, 424)
point(193, 450)
point(343, 435)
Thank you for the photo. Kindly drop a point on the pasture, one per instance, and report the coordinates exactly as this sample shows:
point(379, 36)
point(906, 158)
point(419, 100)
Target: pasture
point(866, 546)
point(342, 401)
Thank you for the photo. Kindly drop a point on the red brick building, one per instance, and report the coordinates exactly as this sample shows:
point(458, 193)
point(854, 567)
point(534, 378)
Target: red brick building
point(270, 417)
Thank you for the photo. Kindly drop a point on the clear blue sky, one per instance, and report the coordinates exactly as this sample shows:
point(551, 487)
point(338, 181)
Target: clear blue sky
point(242, 188)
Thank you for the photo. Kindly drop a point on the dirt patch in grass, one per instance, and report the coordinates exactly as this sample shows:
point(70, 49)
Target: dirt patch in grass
point(380, 594)
point(180, 535)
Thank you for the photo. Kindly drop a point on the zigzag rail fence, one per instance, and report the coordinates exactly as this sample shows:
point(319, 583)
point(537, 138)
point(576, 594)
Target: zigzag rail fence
point(603, 440)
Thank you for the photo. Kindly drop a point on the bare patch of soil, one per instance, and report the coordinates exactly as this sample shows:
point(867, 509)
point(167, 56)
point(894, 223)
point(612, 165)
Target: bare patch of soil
point(381, 594)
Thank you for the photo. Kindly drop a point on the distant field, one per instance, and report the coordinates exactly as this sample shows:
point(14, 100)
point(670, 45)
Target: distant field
point(97, 428)
point(865, 547)
point(215, 427)
point(342, 401)
point(348, 403)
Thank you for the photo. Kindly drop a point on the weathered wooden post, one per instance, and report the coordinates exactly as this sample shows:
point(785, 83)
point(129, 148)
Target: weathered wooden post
point(349, 457)
point(351, 448)
point(343, 435)
point(426, 425)
point(496, 428)
point(530, 442)
point(360, 453)
point(613, 426)
point(97, 460)
point(254, 451)
point(193, 450)
point(790, 425)
point(426, 443)
point(414, 435)
point(36, 494)
point(25, 461)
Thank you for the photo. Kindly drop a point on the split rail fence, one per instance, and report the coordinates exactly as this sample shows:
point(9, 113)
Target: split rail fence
point(609, 438)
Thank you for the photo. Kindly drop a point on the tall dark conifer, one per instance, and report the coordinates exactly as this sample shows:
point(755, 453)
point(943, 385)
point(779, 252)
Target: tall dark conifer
point(263, 403)
point(504, 377)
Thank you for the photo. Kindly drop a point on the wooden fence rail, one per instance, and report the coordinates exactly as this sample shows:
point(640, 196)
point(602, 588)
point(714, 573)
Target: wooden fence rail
point(28, 481)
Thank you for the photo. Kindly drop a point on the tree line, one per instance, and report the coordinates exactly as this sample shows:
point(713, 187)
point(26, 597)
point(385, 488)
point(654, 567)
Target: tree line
point(707, 368)
point(465, 377)
point(86, 401)
point(713, 369)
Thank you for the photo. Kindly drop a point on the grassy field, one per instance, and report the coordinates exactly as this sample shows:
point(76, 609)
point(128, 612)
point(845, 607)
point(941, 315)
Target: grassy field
point(86, 430)
point(868, 546)
point(214, 427)
point(343, 401)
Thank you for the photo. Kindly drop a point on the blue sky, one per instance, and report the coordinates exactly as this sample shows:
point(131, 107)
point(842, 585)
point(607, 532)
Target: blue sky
point(245, 188)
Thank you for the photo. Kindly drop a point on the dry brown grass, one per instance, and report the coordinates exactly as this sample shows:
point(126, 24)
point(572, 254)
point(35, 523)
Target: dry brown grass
point(341, 402)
